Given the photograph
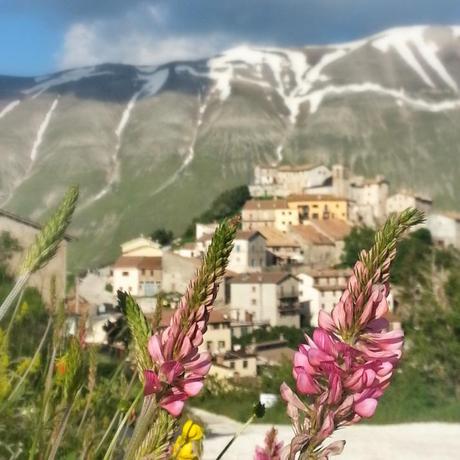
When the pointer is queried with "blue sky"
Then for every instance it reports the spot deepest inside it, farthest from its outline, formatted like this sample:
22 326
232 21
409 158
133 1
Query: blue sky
40 36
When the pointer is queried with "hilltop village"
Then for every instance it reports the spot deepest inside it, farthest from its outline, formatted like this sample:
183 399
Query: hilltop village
282 270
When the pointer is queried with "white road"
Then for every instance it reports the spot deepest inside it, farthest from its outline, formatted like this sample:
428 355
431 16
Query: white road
413 441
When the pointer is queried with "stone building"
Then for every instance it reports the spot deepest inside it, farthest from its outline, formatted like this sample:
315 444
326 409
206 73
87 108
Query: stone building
25 231
445 228
404 199
280 181
269 297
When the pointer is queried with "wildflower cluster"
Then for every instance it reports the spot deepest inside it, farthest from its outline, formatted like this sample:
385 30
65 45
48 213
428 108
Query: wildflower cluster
272 447
345 367
178 367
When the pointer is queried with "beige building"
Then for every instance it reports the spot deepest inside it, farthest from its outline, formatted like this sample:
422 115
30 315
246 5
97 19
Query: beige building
218 336
259 214
269 297
320 290
249 252
141 247
285 219
140 276
25 231
406 199
234 364
318 207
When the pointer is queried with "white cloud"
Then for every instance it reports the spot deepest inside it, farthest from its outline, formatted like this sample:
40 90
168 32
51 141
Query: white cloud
99 42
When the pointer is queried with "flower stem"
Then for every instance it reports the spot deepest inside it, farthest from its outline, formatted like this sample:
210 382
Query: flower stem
149 407
108 454
238 433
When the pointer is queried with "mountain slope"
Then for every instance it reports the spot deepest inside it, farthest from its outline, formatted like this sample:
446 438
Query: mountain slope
152 146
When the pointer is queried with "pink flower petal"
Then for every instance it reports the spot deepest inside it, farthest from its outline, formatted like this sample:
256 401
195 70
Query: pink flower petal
171 370
154 347
173 407
366 408
305 384
193 386
325 321
152 383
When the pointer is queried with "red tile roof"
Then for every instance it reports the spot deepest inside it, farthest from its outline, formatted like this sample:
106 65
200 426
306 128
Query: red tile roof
265 204
149 263
311 235
319 197
261 278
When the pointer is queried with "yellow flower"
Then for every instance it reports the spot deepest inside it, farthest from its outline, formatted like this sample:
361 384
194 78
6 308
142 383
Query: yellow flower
189 444
192 431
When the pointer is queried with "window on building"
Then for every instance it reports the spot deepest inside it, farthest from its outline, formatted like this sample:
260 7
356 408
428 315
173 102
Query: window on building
221 344
253 302
237 247
232 364
125 273
209 345
245 364
151 272
254 289
143 271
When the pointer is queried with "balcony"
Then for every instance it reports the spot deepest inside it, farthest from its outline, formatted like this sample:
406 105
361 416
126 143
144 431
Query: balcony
289 307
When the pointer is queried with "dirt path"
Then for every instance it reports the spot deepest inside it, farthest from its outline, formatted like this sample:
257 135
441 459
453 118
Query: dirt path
413 441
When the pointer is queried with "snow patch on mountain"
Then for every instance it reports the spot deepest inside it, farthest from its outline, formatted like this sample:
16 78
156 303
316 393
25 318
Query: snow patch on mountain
126 114
285 71
9 107
404 41
316 97
202 106
42 129
45 83
153 82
